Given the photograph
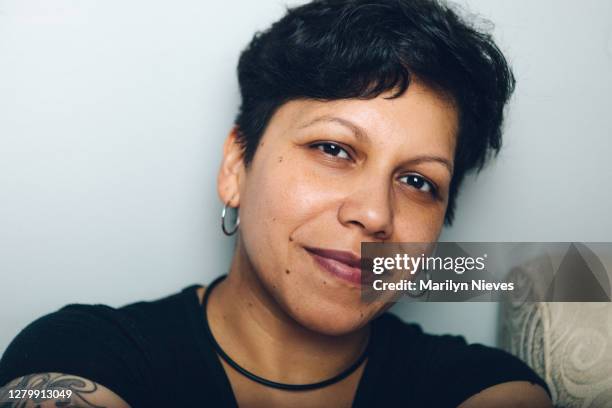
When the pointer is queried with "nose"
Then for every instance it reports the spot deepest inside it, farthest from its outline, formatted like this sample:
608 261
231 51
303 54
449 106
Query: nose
370 209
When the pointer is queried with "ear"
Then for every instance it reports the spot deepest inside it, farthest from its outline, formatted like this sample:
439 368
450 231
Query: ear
231 172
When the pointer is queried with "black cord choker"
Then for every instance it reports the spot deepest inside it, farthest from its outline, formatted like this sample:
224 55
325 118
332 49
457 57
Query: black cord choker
263 381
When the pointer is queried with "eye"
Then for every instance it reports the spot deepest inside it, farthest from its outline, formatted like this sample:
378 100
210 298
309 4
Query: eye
332 149
420 183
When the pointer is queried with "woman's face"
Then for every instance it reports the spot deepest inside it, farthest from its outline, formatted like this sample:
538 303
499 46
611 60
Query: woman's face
329 175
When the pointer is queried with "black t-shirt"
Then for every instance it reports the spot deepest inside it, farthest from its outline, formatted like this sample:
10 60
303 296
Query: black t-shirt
157 354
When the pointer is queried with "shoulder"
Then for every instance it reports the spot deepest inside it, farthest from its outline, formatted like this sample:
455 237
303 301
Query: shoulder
463 369
115 347
105 324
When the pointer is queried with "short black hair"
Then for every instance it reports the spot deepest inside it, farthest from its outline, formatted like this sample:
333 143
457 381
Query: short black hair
338 49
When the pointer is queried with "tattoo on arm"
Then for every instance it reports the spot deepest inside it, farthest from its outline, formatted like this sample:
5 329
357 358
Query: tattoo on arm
33 390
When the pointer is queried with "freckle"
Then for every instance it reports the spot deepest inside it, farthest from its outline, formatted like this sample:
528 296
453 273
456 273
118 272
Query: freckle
280 159
361 314
274 286
290 239
250 304
273 218
325 282
287 271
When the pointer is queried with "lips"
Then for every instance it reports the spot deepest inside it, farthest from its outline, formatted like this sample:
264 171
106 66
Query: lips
342 264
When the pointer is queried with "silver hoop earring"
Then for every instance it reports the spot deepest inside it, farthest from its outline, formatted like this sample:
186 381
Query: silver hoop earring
235 228
421 292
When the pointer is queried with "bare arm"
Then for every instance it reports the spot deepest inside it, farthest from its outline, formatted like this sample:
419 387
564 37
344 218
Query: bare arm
46 390
513 394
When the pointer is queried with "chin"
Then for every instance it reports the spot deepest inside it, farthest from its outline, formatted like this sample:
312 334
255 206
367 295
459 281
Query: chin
332 320
332 326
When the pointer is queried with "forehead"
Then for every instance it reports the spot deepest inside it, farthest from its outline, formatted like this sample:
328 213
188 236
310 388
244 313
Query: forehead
420 118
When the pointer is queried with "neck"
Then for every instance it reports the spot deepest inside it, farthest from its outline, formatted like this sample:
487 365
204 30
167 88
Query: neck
260 336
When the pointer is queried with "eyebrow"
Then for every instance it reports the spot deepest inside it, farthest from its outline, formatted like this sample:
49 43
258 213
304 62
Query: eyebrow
361 135
359 132
429 158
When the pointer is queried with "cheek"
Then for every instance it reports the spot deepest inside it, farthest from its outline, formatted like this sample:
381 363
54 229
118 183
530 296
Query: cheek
418 220
416 224
277 200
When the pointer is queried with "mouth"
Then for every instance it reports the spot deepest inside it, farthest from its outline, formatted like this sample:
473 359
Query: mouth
341 264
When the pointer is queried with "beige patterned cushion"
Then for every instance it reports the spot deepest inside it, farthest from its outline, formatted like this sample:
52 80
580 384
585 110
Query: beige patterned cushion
567 344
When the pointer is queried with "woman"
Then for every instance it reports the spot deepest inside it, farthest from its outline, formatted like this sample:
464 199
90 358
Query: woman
359 120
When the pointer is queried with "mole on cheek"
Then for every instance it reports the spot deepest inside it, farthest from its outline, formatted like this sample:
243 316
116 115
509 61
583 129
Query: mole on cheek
287 271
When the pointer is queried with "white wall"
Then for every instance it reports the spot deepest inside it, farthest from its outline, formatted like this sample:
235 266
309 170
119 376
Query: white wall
112 116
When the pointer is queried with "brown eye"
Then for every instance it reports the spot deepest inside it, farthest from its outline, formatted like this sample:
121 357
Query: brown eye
332 149
420 183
